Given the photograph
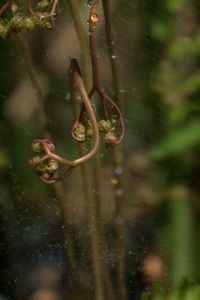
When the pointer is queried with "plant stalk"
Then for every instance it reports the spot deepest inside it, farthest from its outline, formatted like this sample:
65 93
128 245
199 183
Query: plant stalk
23 46
105 276
117 159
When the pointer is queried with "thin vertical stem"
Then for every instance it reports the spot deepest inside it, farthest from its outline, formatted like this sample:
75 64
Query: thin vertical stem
111 51
85 55
45 131
117 160
35 84
93 204
105 276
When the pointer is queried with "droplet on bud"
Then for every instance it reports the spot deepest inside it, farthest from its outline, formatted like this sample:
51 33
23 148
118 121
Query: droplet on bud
94 18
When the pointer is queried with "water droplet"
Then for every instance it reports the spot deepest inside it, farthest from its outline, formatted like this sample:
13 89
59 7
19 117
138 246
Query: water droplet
114 181
78 98
113 56
118 171
94 18
89 3
67 96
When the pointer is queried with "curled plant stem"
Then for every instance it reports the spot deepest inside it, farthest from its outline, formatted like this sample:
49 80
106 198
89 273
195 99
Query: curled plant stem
92 215
105 276
97 87
117 161
47 148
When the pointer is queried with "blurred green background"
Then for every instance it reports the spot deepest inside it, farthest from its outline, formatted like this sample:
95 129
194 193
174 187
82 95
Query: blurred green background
157 46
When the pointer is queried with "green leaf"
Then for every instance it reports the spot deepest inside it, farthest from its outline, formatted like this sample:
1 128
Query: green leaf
177 142
193 294
192 84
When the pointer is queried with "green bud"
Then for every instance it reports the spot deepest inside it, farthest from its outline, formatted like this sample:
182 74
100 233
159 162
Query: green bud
17 23
110 139
29 23
14 8
46 175
43 5
4 29
78 132
52 165
46 24
35 161
89 132
42 167
37 147
105 125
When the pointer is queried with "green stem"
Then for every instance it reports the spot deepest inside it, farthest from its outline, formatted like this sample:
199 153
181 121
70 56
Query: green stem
117 160
35 84
181 235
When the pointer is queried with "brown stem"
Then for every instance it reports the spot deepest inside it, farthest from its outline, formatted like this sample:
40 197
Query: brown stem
42 120
80 84
48 147
117 160
5 7
35 84
97 87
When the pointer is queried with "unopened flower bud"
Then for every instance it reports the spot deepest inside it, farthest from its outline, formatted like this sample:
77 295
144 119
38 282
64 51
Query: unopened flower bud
43 5
79 132
29 23
42 167
104 125
4 29
14 8
46 24
110 139
17 23
89 132
46 175
52 165
35 161
37 147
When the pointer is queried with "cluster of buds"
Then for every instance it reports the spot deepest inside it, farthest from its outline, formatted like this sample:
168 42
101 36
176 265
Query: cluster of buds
45 166
19 22
82 132
108 126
